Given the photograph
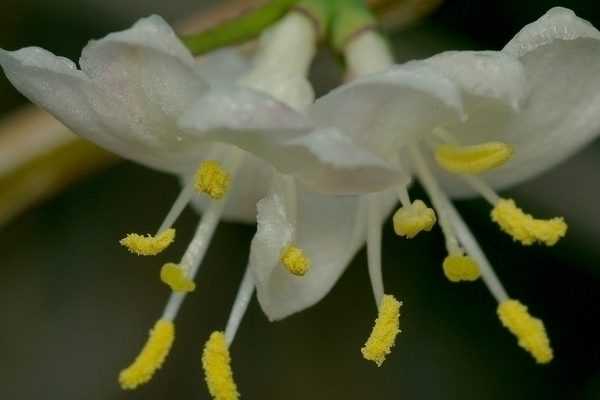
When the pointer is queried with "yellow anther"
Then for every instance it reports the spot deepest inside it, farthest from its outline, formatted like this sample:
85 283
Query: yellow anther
529 330
526 229
412 219
212 179
174 276
152 356
295 261
217 368
472 159
460 267
148 245
383 335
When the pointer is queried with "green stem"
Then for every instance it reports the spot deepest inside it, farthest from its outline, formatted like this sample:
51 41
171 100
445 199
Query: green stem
351 17
320 11
239 29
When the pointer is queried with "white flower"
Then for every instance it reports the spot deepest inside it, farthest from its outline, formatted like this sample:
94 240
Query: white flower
505 115
140 94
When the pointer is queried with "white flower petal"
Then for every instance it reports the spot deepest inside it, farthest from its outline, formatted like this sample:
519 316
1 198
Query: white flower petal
484 76
557 24
388 110
324 160
330 232
58 86
132 86
561 57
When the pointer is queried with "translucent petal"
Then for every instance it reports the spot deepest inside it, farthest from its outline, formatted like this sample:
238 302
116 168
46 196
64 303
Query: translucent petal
330 232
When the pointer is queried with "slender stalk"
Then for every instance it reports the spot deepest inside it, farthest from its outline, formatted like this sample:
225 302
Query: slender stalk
237 30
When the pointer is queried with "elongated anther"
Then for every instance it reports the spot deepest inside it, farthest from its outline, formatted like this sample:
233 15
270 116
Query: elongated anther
530 331
216 363
151 357
383 335
525 228
474 159
147 245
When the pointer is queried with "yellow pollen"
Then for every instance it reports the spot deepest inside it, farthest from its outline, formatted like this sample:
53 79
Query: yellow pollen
217 368
148 245
212 179
295 261
412 219
383 335
152 356
530 331
460 267
472 160
526 229
174 276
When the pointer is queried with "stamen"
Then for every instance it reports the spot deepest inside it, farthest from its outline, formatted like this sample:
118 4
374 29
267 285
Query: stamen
472 159
295 261
174 276
152 356
525 228
152 245
385 330
212 179
460 267
148 245
412 219
217 368
529 330
192 259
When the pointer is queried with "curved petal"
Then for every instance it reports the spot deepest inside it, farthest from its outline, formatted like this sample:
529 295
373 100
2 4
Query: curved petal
558 23
323 159
55 84
330 231
387 110
561 57
484 76
132 86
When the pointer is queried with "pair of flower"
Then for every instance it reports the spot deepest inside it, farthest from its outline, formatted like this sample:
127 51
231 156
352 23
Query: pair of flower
260 137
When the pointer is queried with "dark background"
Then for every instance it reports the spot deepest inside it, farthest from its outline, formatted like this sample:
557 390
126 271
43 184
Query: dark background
75 307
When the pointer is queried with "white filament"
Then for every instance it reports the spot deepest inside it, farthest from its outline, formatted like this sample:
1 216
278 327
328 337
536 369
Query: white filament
240 305
182 200
374 246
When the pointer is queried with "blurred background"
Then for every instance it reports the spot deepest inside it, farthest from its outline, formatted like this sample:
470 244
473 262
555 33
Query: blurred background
76 307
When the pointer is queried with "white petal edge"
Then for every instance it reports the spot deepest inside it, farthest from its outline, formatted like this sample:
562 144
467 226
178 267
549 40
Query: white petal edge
487 75
558 23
